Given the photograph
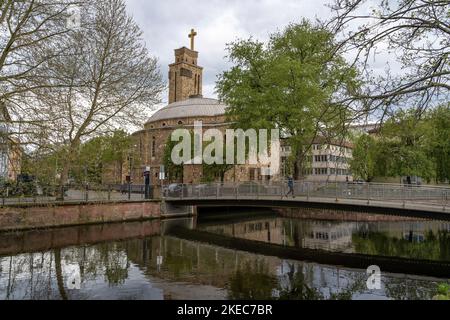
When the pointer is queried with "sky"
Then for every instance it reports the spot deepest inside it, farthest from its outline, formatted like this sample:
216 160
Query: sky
166 25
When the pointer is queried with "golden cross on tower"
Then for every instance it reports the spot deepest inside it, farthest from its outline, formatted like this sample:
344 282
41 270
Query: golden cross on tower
192 36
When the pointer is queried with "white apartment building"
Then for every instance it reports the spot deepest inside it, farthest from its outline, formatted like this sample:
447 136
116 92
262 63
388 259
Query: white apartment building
327 162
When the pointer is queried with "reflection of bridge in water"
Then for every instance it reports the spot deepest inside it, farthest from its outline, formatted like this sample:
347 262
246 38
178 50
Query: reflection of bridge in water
415 201
144 263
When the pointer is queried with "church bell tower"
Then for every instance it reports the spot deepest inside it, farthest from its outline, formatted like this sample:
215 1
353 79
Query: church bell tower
185 76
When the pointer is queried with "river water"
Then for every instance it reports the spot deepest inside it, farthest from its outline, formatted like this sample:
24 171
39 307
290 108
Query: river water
142 260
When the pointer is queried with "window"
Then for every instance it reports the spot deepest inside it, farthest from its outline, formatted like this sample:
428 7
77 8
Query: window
175 89
180 123
321 171
153 147
195 85
323 158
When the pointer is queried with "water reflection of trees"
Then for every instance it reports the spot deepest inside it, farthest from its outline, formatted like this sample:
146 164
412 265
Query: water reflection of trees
256 281
253 281
115 263
435 246
408 289
244 275
38 276
297 287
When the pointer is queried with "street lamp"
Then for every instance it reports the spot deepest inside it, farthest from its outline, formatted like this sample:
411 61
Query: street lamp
130 162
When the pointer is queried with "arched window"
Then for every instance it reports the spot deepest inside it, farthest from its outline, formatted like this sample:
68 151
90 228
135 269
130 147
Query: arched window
180 123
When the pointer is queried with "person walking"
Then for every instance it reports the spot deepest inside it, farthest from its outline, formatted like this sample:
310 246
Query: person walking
291 187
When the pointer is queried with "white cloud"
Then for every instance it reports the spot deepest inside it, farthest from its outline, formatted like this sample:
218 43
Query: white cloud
166 25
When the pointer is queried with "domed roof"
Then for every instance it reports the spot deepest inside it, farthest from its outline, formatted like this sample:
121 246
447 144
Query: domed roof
190 108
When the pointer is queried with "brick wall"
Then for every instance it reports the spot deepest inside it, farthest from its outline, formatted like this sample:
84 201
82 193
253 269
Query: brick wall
23 218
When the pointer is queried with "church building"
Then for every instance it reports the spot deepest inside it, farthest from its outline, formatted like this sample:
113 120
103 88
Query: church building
187 106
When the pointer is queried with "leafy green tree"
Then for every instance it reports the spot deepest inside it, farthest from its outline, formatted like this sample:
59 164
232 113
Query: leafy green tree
290 83
404 143
100 152
175 172
215 171
439 141
92 157
364 159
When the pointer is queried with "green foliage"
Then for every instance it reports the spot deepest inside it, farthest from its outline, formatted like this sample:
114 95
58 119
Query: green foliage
99 152
409 145
89 163
364 159
434 247
439 141
289 83
175 172
404 141
252 282
443 292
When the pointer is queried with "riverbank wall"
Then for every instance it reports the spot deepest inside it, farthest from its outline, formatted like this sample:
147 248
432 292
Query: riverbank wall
26 217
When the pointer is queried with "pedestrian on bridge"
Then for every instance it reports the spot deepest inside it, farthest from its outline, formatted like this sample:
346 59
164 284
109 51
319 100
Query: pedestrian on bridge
291 187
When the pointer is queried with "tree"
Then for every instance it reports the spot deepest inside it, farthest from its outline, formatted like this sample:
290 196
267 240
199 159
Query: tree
417 33
292 83
32 33
174 171
92 158
439 141
100 152
403 139
364 160
107 81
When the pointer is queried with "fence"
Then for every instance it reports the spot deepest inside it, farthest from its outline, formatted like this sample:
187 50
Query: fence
370 192
74 194
436 197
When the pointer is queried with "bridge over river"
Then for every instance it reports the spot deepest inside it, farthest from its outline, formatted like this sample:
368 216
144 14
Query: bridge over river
406 200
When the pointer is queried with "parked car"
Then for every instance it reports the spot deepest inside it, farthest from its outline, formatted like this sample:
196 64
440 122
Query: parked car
173 190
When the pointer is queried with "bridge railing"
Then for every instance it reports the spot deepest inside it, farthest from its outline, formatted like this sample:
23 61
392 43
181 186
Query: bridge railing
435 196
74 193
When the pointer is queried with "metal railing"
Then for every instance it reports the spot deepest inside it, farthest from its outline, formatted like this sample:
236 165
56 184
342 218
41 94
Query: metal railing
435 197
39 195
369 193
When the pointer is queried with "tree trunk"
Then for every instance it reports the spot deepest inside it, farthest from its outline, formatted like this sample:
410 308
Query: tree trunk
67 163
